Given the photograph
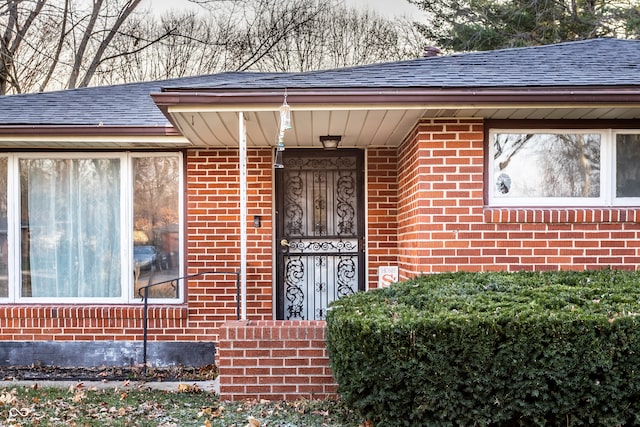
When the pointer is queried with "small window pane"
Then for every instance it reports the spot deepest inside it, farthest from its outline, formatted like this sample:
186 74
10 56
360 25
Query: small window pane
546 165
4 282
156 233
70 228
628 166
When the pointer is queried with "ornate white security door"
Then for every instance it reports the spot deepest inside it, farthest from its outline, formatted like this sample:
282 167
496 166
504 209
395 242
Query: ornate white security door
320 231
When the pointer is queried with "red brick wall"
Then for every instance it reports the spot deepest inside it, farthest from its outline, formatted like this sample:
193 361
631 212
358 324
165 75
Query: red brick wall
382 211
425 213
274 360
444 226
90 323
212 244
213 214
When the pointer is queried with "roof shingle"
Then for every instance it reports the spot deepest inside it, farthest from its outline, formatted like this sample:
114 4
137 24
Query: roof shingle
118 105
595 62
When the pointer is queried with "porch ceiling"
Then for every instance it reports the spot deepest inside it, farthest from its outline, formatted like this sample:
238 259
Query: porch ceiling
359 126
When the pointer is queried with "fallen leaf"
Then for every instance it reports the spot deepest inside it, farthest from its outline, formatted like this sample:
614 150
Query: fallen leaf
253 422
211 411
79 396
207 423
186 388
7 398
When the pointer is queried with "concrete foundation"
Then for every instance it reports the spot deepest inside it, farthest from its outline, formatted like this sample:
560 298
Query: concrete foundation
105 353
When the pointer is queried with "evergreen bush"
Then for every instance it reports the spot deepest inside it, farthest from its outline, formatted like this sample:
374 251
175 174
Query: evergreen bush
492 349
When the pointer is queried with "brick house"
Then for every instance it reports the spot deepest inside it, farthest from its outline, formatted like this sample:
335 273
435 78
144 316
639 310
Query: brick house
513 159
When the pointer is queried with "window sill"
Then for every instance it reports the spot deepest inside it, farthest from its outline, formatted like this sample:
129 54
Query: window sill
571 215
91 312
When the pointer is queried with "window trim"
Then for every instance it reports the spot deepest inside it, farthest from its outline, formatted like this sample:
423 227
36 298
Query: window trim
128 295
607 196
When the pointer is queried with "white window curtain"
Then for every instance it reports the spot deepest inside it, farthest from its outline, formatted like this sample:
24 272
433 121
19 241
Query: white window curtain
71 225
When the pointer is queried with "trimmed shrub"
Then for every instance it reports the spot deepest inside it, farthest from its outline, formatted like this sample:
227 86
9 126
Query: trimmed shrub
492 349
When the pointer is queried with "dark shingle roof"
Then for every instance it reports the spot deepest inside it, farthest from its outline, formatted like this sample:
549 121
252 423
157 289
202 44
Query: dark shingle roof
592 62
595 62
118 105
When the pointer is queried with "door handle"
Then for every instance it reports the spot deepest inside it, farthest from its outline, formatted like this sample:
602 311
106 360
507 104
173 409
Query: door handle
284 243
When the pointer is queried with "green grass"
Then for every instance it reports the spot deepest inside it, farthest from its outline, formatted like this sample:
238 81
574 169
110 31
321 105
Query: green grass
127 406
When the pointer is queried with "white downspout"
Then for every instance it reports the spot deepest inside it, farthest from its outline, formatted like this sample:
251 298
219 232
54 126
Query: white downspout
242 133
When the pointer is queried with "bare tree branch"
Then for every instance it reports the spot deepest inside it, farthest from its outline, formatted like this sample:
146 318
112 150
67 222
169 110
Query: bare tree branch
97 57
65 43
281 24
169 33
86 36
13 36
59 46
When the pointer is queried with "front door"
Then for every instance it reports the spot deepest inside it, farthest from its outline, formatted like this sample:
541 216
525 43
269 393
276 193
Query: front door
319 230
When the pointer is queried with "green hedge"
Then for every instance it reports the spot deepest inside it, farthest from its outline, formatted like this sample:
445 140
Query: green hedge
492 349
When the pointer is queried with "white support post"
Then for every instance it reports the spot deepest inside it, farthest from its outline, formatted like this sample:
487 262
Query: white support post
243 214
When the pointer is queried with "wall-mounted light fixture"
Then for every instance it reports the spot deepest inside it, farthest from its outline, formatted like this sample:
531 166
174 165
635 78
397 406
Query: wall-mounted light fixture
330 142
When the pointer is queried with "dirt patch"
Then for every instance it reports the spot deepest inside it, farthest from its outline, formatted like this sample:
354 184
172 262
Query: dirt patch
57 373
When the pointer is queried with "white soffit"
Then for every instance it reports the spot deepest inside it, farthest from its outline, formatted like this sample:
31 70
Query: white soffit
359 126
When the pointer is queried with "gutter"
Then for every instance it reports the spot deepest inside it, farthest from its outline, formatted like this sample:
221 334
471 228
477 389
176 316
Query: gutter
96 130
623 95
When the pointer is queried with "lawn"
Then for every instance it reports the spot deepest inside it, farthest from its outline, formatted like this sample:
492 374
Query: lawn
127 405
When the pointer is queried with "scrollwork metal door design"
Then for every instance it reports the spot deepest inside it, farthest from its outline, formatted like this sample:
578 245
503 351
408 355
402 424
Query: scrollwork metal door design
320 231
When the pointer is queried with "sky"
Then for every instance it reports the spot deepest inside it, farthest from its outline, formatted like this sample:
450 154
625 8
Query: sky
389 8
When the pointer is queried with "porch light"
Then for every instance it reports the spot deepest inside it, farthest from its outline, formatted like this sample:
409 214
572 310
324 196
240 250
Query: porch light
330 142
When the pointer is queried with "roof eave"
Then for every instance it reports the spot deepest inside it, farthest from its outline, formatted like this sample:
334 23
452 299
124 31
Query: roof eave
403 96
90 137
87 130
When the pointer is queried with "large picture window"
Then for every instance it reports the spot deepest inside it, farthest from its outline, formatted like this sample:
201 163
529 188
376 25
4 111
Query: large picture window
70 214
563 168
89 226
